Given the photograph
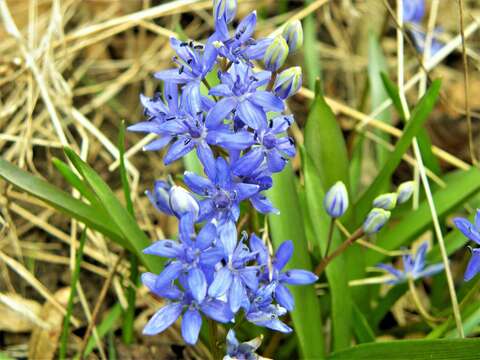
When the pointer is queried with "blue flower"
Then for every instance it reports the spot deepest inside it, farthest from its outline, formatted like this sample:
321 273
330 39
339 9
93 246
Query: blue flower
261 177
235 278
172 200
241 351
194 62
268 146
181 125
192 257
240 95
472 232
413 267
239 47
419 40
186 304
220 193
263 312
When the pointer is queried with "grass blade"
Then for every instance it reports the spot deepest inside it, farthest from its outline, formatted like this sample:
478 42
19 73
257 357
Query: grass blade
289 225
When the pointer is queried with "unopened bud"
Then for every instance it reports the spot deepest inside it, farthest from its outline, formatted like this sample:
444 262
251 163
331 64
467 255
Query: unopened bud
276 54
336 200
375 220
182 202
385 201
405 191
288 82
293 34
225 9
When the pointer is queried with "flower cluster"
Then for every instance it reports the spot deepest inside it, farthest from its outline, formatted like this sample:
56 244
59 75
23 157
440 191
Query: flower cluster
238 129
472 232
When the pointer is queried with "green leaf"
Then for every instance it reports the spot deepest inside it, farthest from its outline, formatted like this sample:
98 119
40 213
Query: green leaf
418 118
310 49
60 200
324 142
288 225
341 301
136 240
424 143
416 222
363 331
413 349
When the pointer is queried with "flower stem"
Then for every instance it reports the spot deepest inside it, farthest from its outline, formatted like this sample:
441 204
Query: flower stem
423 312
330 236
212 335
344 246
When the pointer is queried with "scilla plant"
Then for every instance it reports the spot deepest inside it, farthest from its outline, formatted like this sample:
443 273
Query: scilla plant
238 130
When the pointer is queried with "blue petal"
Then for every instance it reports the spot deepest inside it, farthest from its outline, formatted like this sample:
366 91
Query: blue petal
251 114
191 97
228 237
299 277
246 27
160 197
221 90
217 310
236 294
257 51
158 144
172 76
249 277
173 127
284 297
145 126
219 112
196 183
248 162
170 273
239 140
170 292
164 248
283 254
245 191
263 205
257 245
467 228
221 283
473 267
163 318
205 155
178 149
477 219
170 91
275 161
197 283
281 124
430 271
419 262
191 325
223 175
395 272
206 236
267 101
212 256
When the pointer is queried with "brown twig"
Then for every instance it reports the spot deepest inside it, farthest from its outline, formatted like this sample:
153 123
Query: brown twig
344 246
96 310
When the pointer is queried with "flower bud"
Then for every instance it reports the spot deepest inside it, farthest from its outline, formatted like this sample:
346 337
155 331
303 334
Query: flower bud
336 200
225 9
160 196
182 202
385 201
375 220
288 82
293 34
276 54
405 191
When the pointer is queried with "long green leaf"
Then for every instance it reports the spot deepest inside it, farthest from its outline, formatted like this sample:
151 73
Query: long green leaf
60 200
289 226
310 49
136 240
363 331
457 349
418 118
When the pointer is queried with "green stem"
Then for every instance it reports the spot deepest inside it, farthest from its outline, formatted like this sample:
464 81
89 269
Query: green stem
212 336
127 329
